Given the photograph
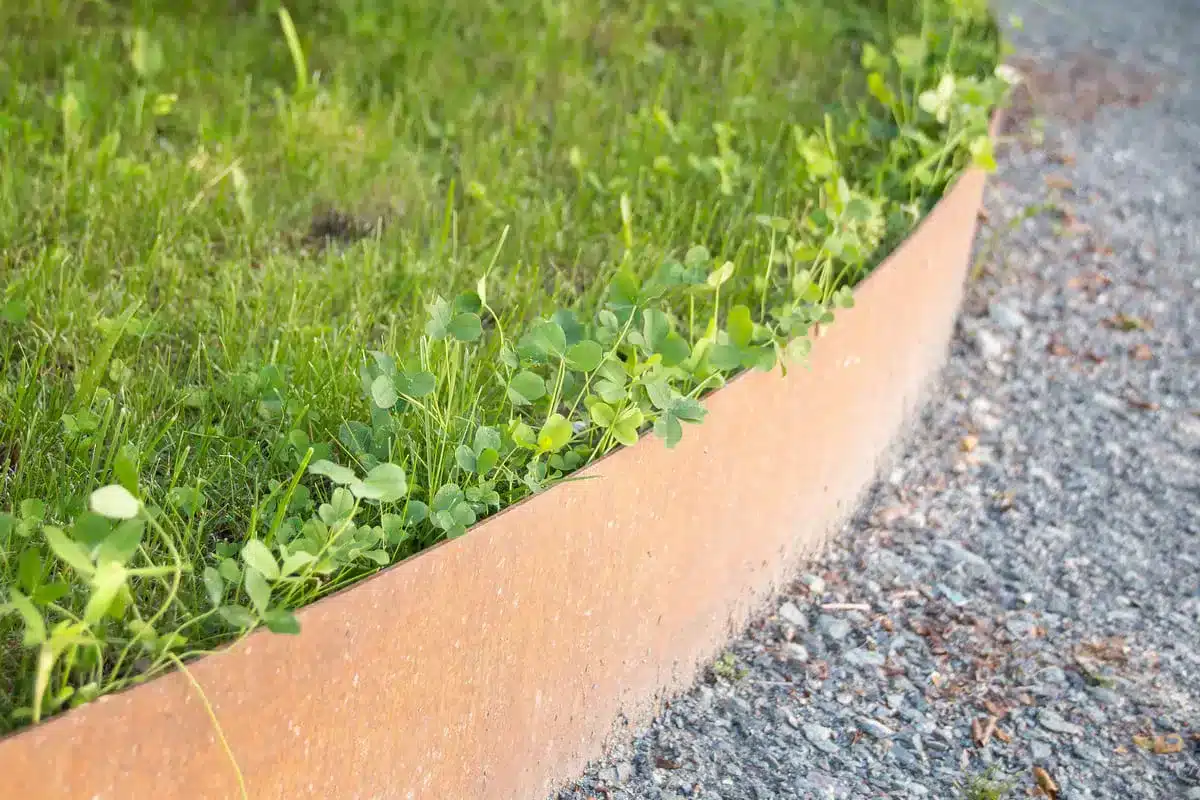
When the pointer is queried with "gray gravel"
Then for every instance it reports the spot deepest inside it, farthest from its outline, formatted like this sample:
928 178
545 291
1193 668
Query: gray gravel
1026 581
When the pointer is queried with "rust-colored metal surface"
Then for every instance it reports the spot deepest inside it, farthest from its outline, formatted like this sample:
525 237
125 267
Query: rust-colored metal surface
496 665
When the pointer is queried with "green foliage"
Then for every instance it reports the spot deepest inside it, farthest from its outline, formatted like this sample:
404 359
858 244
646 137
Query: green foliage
215 409
986 786
727 668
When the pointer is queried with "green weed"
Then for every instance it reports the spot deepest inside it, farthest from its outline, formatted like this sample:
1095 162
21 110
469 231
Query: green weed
987 786
727 668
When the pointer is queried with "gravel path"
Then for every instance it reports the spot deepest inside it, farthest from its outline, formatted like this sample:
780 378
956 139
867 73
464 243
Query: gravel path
1029 573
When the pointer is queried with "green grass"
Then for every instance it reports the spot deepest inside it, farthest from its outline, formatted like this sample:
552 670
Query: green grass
226 234
987 786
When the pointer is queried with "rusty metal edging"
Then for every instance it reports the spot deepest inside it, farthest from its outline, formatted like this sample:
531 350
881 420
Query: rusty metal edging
497 665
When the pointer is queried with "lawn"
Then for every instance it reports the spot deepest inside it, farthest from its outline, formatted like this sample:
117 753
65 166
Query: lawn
288 296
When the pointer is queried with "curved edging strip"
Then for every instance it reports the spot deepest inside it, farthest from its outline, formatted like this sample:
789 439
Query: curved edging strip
496 665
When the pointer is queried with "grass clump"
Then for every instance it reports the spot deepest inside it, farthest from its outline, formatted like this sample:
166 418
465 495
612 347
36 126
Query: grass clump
987 786
289 295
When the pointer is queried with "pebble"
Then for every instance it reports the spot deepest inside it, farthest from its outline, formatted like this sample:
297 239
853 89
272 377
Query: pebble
815 583
796 652
834 627
820 737
1054 722
791 613
861 657
875 728
1006 316
991 346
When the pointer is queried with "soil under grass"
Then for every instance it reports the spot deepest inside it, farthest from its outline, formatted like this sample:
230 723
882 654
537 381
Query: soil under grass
223 247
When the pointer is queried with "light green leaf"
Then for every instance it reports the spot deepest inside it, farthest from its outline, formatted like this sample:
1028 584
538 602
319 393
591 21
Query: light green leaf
668 429
90 529
602 414
258 590
417 384
32 510
584 356
415 511
230 570
380 557
120 545
214 586
655 328
909 52
673 349
386 483
115 502
525 388
697 256
258 555
486 461
555 434
485 438
446 497
438 326
464 515
625 428
523 435
105 583
721 274
187 499
740 325
295 562
29 569
689 409
68 551
465 457
610 391
35 626
544 340
279 620
798 349
660 394
725 357
335 472
237 616
466 327
125 467
383 392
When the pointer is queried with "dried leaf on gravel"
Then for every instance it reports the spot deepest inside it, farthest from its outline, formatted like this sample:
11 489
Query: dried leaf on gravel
1090 281
982 730
1128 323
1141 352
1140 403
1113 649
893 514
995 709
1057 181
1056 347
1045 783
1164 744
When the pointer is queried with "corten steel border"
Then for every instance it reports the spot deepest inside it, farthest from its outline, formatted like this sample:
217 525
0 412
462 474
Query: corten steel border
496 665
